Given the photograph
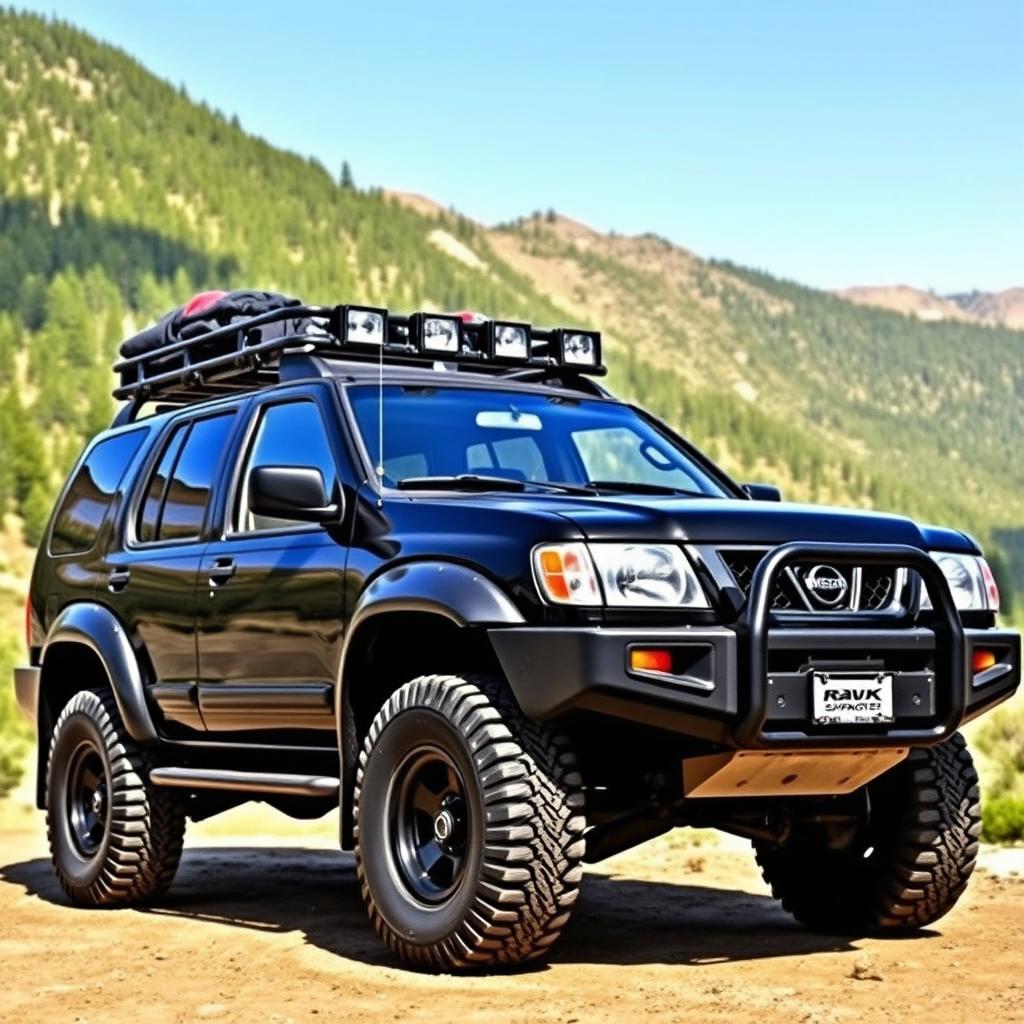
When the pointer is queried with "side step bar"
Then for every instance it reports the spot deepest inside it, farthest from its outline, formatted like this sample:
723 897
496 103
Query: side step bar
245 782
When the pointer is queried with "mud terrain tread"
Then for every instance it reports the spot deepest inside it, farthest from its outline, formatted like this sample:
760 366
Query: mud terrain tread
533 844
911 881
147 824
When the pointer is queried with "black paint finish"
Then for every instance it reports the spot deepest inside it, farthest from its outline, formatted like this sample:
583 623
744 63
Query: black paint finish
236 629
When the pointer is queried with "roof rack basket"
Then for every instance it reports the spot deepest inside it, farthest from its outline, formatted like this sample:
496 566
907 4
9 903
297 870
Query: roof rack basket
236 357
246 354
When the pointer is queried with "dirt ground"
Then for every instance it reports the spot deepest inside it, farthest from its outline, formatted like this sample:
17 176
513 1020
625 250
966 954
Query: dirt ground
269 927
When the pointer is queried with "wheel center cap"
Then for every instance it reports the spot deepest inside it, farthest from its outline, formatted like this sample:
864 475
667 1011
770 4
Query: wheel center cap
97 803
444 825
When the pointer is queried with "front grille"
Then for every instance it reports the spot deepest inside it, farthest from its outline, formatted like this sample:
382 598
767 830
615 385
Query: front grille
865 589
877 589
742 563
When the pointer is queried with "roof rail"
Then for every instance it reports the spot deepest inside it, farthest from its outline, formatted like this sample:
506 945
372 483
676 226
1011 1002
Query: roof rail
246 354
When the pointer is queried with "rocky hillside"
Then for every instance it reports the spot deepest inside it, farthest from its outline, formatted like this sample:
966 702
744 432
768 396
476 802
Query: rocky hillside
1002 309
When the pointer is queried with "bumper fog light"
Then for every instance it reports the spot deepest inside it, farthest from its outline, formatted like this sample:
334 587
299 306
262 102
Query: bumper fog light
644 659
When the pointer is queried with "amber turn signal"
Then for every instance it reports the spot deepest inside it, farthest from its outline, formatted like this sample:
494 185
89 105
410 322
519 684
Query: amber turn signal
647 659
983 660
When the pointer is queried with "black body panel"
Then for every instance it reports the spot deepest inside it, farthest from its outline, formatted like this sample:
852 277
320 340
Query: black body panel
232 642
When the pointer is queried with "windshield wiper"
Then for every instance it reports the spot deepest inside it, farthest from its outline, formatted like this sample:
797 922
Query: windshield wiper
635 487
482 482
462 482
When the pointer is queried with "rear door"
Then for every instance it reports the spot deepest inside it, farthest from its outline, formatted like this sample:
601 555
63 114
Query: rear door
272 597
152 579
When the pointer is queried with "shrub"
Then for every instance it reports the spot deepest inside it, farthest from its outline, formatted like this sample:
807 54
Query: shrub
1003 818
1000 742
14 733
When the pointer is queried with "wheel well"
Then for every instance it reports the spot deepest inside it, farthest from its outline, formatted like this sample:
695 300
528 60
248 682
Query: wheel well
68 668
384 653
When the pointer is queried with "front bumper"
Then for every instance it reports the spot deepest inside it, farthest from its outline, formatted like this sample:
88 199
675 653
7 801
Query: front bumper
748 686
554 671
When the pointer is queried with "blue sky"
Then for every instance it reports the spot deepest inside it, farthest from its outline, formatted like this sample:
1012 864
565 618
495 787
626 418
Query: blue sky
832 141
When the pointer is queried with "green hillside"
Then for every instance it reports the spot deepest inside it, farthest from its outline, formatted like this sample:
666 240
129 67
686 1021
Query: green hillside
120 196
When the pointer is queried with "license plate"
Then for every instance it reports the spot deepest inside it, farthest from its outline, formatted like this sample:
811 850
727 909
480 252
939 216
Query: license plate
852 700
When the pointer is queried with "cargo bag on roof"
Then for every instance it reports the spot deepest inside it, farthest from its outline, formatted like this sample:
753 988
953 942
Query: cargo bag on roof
210 310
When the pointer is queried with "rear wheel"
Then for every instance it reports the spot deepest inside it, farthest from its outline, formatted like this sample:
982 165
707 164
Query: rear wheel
114 837
469 826
904 868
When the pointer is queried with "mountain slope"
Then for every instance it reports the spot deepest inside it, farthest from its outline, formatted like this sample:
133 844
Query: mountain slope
1003 309
119 197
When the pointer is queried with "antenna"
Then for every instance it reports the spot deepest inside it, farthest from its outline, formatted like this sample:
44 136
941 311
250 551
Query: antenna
380 424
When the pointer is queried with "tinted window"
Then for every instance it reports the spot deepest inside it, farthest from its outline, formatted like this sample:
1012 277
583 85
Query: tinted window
447 431
291 434
95 482
517 456
622 453
189 490
149 514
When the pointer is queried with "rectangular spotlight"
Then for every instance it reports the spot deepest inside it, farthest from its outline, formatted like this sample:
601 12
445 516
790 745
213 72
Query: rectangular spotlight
509 342
578 348
364 326
438 335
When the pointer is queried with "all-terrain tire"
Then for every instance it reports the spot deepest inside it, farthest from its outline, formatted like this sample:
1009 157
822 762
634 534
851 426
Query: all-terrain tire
523 804
131 853
906 869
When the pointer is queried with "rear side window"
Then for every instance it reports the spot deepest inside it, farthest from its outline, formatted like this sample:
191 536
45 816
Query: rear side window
179 489
92 489
149 514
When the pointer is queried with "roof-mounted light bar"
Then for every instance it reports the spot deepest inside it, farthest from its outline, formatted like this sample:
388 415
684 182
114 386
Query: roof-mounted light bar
467 338
173 364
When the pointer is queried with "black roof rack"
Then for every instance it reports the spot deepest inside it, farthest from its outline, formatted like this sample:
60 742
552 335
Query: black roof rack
247 353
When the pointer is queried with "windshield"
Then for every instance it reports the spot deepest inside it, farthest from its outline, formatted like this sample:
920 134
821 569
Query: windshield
531 438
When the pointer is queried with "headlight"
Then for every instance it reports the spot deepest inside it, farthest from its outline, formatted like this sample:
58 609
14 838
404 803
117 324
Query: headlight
970 581
630 575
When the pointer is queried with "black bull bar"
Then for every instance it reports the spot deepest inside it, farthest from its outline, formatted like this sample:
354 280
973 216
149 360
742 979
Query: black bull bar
952 673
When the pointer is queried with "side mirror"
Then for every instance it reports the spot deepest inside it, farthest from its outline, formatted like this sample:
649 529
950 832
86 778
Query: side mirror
763 492
291 492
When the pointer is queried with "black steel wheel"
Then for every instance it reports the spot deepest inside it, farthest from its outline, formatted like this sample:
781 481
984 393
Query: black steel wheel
114 837
429 824
469 826
87 798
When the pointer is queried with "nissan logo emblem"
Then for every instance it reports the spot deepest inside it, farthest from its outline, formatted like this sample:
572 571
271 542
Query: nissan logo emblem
827 585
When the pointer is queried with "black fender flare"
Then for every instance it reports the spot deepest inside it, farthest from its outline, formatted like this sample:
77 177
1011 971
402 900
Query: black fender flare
456 592
97 628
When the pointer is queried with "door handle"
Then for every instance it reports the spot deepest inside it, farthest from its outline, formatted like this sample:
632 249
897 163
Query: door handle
118 579
221 571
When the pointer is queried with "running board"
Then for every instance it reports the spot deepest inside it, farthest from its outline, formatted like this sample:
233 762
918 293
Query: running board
245 782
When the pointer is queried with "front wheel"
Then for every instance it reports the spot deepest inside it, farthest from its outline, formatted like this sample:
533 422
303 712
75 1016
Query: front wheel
904 868
469 826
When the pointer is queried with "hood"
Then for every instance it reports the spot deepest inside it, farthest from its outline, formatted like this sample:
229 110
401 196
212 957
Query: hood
754 522
711 521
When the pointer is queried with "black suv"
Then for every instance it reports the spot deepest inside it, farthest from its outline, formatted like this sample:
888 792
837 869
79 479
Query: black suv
427 569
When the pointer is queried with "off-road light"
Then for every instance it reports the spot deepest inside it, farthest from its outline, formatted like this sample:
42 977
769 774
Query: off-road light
578 348
439 334
509 341
364 326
